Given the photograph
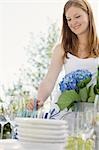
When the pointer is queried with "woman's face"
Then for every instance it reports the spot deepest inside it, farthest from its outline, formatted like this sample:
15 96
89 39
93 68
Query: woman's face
77 20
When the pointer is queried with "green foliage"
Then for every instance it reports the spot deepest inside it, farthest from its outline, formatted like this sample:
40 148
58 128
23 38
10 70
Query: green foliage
1 100
83 83
83 92
6 128
16 89
7 131
39 52
67 98
96 88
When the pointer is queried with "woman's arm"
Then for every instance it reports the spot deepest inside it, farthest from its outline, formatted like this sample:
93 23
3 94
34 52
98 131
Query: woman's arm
55 67
47 84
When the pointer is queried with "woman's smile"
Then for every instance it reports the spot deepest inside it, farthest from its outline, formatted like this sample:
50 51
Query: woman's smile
76 27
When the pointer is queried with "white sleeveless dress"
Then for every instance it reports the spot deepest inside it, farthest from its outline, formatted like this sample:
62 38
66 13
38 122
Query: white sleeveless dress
72 64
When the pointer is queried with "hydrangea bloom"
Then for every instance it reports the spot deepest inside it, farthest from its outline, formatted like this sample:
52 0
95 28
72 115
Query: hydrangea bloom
76 87
70 81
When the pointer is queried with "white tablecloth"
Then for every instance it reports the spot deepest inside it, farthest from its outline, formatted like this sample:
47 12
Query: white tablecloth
11 144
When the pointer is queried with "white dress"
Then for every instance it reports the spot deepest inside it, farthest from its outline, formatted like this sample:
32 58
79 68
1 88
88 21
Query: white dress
72 64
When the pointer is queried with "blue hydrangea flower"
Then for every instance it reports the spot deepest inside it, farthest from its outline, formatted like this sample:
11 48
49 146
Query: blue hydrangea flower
70 81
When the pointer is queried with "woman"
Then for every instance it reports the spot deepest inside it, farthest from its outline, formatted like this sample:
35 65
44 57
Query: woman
79 47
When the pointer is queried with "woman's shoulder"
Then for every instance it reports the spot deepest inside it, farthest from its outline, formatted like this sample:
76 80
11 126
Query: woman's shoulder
58 49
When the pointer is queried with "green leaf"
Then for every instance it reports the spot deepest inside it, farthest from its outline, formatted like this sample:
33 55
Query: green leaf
1 100
67 98
98 77
83 83
91 99
96 89
83 92
91 91
91 96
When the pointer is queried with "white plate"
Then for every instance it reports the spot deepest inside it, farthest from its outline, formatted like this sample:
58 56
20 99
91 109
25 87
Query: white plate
39 126
41 131
40 121
39 136
27 139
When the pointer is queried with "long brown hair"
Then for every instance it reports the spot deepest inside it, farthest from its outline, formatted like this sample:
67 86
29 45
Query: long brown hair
70 40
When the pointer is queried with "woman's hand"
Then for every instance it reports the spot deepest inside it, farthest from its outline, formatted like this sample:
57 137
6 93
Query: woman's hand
39 103
30 105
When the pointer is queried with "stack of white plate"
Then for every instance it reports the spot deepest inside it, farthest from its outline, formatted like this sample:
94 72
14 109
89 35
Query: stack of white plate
42 130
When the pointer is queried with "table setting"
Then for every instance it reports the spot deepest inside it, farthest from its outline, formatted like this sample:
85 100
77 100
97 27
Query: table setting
71 123
70 129
31 129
